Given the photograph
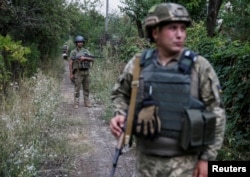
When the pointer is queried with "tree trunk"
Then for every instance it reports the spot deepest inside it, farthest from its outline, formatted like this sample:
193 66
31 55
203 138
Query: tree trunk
139 28
213 9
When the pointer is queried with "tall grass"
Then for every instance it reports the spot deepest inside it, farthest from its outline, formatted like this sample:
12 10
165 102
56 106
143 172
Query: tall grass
29 124
103 76
31 120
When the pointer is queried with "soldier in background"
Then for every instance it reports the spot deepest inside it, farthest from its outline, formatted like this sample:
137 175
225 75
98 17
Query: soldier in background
65 49
79 67
175 85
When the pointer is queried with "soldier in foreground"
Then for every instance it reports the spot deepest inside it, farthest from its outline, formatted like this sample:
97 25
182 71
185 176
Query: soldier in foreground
79 67
179 119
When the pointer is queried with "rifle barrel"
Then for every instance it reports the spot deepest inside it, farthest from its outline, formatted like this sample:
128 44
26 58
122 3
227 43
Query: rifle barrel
115 161
118 152
112 172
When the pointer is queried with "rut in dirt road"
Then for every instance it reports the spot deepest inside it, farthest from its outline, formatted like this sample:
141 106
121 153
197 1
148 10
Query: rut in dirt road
91 138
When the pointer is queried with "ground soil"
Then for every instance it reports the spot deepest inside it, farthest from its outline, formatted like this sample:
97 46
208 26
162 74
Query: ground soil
89 135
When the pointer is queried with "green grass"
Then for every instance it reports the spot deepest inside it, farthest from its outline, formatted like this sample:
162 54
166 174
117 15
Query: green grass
103 76
30 125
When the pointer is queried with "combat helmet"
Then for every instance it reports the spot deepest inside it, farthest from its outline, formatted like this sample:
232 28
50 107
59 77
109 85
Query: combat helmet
165 12
79 39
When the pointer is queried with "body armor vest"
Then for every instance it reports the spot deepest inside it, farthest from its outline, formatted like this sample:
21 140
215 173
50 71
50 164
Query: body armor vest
170 87
77 65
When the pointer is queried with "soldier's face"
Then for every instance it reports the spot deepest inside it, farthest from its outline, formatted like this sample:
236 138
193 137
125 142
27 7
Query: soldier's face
171 37
79 44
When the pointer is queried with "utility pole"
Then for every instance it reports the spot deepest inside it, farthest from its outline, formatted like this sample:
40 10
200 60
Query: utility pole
106 19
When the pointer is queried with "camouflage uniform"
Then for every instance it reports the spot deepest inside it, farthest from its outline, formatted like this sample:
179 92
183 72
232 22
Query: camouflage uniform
208 84
160 157
81 76
153 166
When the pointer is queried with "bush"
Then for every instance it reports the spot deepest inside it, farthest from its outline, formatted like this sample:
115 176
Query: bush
131 46
231 62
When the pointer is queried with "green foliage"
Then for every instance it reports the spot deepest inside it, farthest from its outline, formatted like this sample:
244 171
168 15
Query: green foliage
196 8
42 22
33 62
231 62
137 9
11 54
199 41
13 50
82 18
131 46
121 27
236 23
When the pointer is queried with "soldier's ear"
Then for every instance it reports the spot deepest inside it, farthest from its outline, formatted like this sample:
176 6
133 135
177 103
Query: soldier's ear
155 32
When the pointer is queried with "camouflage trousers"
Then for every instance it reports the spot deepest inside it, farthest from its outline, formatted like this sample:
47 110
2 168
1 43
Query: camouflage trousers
156 166
82 79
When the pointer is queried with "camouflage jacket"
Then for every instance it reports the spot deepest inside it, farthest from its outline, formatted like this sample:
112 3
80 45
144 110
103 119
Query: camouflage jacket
79 65
203 77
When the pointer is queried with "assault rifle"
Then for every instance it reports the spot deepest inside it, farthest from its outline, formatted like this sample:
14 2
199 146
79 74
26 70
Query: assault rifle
125 140
89 57
118 152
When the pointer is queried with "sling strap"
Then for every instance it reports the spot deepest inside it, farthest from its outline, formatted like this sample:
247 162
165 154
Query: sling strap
135 85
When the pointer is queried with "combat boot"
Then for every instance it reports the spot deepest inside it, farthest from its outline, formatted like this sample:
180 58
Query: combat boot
87 104
76 106
76 103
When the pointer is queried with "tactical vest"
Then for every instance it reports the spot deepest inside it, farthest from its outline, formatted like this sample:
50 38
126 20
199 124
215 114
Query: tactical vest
77 65
170 87
186 127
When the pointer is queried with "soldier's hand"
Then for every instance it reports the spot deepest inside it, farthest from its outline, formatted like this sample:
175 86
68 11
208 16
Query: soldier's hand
116 125
82 58
201 169
148 123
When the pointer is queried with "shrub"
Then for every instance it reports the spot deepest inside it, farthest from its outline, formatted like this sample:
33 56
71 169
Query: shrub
231 62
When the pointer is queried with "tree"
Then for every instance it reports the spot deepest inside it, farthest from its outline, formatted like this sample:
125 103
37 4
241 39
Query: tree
40 22
213 9
137 10
236 22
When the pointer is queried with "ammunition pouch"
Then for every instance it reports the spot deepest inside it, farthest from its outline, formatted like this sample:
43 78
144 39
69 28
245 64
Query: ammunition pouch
85 65
80 66
198 130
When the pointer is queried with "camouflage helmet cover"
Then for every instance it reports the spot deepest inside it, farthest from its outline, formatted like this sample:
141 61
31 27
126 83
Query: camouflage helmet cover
79 39
165 12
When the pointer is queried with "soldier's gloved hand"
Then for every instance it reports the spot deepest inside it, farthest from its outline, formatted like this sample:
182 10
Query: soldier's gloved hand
148 123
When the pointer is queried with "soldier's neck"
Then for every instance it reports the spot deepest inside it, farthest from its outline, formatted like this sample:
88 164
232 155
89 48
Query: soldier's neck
165 57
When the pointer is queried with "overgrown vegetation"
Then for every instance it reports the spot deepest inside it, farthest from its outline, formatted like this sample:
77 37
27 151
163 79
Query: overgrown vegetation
230 59
29 127
31 35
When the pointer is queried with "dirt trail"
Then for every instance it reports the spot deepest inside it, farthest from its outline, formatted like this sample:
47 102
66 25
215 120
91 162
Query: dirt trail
90 136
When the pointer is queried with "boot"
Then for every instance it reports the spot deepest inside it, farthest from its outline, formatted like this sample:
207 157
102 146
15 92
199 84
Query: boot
76 106
76 103
87 104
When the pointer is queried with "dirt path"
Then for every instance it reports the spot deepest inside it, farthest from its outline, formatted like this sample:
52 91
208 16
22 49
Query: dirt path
91 139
